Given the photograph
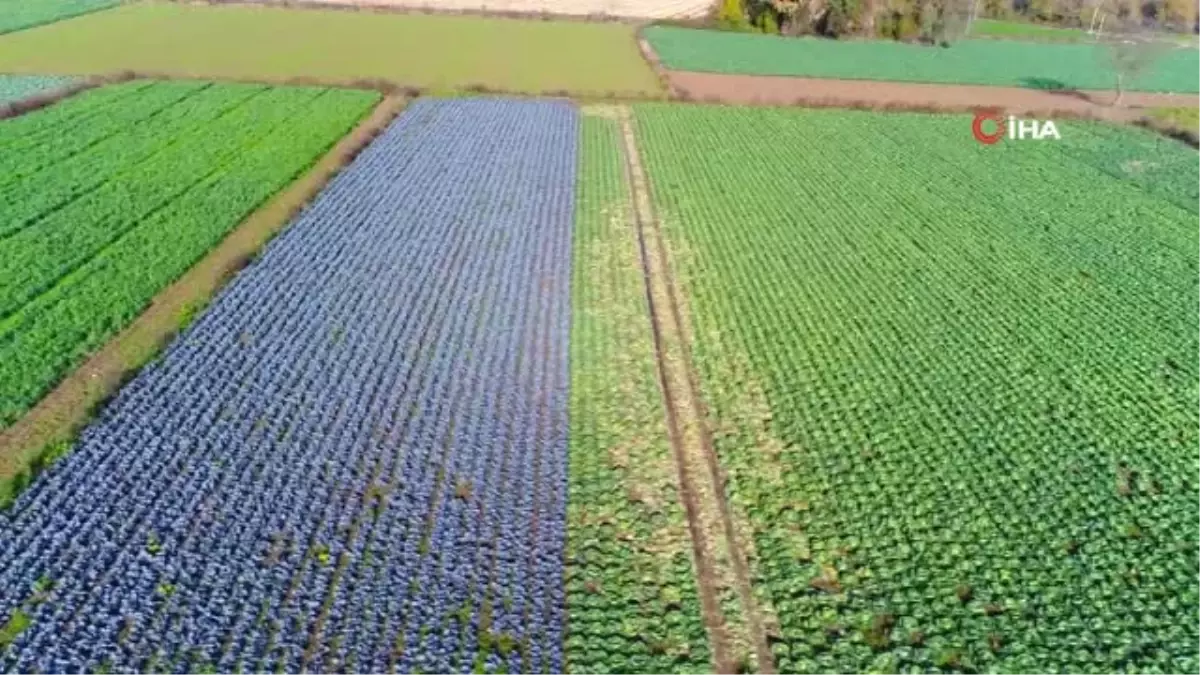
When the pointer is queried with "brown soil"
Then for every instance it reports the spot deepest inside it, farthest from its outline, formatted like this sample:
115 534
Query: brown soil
67 408
771 90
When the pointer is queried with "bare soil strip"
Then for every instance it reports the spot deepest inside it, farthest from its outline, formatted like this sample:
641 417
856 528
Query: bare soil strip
773 90
656 65
735 629
69 406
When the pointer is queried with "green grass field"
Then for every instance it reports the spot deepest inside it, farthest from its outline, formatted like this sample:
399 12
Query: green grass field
112 194
1040 65
955 385
248 43
1026 31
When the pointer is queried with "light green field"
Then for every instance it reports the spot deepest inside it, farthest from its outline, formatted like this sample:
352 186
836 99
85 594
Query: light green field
252 43
1025 30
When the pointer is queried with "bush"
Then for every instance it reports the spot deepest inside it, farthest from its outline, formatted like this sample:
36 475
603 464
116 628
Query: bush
897 25
732 15
840 18
767 23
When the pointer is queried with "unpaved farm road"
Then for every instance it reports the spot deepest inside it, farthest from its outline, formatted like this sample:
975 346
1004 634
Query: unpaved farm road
773 90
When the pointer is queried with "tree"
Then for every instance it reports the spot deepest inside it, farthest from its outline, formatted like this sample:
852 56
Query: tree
1131 49
840 17
868 18
732 15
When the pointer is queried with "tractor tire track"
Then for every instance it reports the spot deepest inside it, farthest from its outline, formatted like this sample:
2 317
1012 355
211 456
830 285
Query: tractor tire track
722 574
738 640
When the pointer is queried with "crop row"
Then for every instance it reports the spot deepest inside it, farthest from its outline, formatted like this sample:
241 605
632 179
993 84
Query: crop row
1159 165
17 87
953 387
51 125
356 459
631 597
126 197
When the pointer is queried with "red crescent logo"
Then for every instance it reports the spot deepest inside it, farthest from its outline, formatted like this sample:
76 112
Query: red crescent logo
977 126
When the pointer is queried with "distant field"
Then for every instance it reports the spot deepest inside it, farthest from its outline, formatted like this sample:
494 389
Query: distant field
18 14
253 43
1024 29
17 87
1038 65
112 194
955 384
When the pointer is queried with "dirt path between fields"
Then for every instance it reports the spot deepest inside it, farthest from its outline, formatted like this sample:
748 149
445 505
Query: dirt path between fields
773 90
728 603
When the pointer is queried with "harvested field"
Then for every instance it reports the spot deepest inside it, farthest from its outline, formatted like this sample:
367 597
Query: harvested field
770 90
1006 63
953 386
330 46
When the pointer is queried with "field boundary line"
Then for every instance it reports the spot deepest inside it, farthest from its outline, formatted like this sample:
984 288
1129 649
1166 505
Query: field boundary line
71 404
651 57
720 559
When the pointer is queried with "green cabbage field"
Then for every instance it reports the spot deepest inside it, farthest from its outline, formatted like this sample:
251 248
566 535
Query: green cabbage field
19 14
954 386
1035 65
112 194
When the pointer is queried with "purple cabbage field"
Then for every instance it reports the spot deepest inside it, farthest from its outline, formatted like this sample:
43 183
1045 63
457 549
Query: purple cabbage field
356 458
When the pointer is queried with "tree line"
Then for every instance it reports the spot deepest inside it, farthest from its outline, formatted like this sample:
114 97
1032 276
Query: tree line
938 21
